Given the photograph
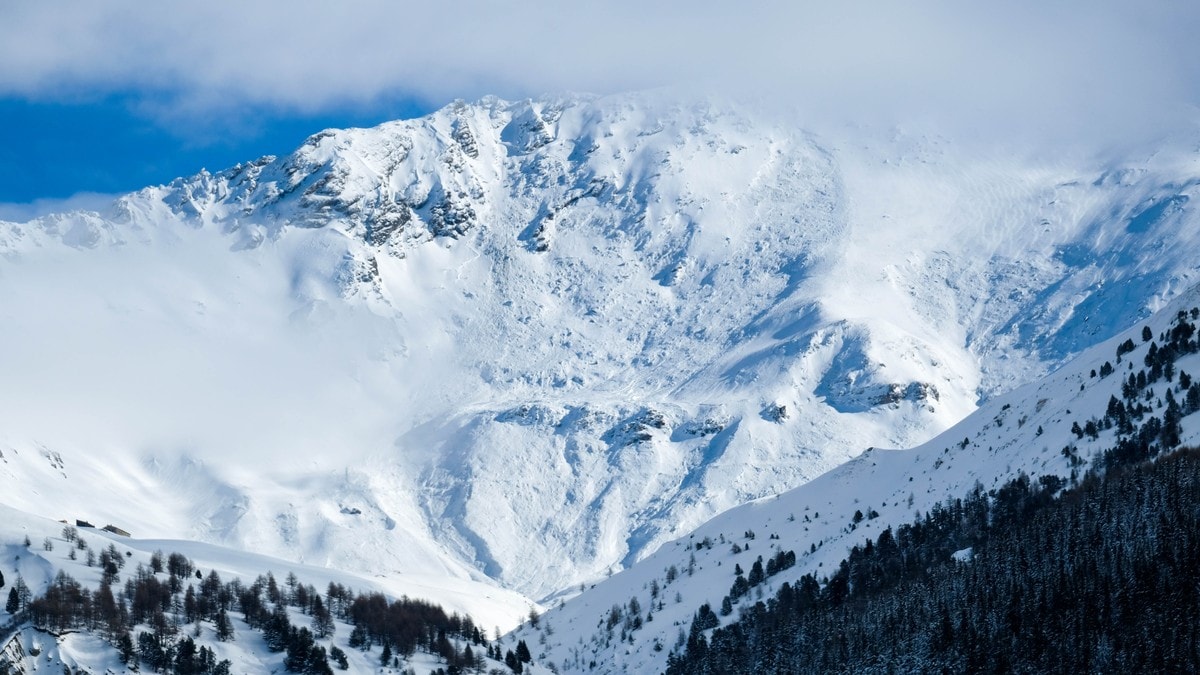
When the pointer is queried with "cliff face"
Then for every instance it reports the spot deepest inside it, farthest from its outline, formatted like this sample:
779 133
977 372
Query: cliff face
13 658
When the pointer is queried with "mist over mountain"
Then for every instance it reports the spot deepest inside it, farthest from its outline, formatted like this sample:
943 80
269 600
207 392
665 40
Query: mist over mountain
519 346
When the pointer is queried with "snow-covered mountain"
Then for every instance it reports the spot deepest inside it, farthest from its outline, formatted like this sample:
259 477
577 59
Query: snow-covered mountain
1060 425
524 344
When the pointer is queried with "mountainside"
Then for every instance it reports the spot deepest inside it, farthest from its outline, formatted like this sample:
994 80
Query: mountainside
86 599
1089 414
525 344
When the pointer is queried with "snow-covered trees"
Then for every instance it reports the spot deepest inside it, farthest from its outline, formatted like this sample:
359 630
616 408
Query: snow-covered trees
142 618
1071 602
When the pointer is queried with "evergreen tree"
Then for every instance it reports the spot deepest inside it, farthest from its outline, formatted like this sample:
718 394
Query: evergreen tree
125 648
386 657
151 651
318 662
224 627
277 630
523 654
726 606
705 618
468 658
186 658
14 601
359 639
756 571
322 620
24 595
299 645
339 657
1171 428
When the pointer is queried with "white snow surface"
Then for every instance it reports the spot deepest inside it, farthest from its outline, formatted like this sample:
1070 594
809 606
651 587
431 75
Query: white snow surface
247 652
524 344
1022 431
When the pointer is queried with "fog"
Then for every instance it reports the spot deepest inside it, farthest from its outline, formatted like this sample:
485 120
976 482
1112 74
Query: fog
1093 73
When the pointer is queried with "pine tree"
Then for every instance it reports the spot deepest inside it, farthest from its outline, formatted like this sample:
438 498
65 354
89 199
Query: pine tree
1171 422
14 601
125 648
726 606
224 627
297 651
277 629
24 595
523 654
322 620
386 657
468 658
756 572
186 662
339 657
318 662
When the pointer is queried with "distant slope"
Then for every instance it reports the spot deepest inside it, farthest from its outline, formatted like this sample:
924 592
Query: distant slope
529 342
1029 430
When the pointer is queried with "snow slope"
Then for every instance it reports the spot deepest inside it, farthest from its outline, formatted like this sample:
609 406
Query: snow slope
1025 430
526 343
87 650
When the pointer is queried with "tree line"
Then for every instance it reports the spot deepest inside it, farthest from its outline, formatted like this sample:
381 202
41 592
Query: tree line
152 616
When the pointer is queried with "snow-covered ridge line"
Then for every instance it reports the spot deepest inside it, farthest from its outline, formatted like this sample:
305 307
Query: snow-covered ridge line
1060 425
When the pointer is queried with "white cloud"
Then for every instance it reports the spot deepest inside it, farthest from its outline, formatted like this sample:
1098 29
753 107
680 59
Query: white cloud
82 201
1093 69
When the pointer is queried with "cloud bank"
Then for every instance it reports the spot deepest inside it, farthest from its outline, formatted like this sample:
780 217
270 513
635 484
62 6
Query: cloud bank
1095 69
16 212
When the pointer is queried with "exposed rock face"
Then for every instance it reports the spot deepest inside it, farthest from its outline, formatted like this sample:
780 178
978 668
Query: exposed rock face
13 658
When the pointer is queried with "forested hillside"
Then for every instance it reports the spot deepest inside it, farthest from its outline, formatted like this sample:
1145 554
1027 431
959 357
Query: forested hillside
1027 578
166 615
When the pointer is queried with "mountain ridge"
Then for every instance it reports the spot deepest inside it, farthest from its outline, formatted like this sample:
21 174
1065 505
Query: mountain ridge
1037 430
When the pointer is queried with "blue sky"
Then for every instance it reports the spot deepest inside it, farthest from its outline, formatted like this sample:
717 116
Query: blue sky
106 97
111 144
